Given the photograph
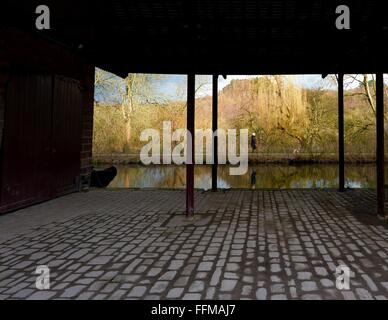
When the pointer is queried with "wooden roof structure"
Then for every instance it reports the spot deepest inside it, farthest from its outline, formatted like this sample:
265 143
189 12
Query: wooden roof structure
217 37
214 36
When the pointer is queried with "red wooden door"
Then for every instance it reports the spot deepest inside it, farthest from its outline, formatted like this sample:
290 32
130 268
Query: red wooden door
66 136
25 150
41 146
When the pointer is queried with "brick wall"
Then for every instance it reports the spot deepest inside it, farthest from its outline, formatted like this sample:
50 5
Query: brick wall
87 87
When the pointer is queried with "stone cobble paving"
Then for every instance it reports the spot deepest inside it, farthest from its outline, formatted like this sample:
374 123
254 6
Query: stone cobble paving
252 244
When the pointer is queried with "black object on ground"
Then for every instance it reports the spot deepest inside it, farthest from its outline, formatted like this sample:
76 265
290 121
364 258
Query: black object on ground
102 178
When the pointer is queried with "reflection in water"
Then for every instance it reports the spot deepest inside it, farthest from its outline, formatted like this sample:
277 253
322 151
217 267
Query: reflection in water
258 176
253 179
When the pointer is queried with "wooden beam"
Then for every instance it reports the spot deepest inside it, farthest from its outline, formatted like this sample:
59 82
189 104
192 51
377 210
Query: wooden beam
380 143
215 128
341 143
191 149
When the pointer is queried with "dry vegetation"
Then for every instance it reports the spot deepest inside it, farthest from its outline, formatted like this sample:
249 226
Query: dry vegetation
285 117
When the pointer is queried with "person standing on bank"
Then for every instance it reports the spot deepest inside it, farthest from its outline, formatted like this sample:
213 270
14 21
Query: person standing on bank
254 142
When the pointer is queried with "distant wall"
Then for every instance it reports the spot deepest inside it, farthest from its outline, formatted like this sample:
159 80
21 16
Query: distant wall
257 157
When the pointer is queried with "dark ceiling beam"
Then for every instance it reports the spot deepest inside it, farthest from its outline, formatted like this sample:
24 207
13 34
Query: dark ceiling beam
177 36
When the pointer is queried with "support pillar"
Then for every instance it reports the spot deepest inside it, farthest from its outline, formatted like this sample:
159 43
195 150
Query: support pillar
341 143
191 149
214 129
380 143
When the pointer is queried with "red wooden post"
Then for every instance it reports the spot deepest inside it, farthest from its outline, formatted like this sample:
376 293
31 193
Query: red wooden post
190 129
341 144
380 143
215 128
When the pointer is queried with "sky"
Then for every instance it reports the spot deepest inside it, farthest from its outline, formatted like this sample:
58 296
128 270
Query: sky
173 87
171 83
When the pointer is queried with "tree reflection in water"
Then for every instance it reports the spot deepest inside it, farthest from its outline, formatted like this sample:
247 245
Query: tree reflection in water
268 176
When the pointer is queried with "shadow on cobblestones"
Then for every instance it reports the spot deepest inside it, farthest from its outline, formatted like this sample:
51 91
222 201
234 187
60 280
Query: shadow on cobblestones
252 244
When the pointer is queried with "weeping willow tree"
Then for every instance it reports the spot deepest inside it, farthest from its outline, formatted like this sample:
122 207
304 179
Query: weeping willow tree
270 106
292 116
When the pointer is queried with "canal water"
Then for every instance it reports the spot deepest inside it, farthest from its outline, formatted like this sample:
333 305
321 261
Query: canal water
265 176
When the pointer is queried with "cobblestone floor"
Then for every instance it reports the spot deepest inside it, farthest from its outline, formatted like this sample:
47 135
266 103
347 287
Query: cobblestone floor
259 244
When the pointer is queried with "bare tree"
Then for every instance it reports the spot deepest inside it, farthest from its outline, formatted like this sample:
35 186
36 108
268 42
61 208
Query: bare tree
365 84
130 92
